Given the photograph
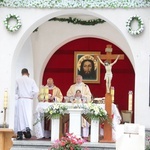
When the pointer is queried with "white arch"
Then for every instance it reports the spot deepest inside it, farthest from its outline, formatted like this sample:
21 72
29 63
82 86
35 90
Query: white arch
56 13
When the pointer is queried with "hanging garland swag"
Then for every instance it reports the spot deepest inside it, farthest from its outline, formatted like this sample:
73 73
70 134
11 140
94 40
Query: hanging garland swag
140 25
15 27
91 22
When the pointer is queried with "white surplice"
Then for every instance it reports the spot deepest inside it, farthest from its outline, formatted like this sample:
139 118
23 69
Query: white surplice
26 91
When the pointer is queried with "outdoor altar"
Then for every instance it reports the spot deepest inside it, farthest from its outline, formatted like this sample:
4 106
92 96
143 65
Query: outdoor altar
75 111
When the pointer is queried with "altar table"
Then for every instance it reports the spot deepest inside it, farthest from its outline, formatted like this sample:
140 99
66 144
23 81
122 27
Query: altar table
75 123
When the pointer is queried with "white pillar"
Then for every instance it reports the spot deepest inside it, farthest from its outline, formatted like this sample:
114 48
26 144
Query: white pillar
75 121
55 129
94 131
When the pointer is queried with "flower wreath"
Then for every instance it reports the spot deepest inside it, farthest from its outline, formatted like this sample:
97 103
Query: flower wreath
140 25
15 27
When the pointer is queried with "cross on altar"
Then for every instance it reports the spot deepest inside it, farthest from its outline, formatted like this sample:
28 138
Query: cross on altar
108 97
108 65
109 56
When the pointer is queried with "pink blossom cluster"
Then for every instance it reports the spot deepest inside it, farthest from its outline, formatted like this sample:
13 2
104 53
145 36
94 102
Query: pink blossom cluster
68 142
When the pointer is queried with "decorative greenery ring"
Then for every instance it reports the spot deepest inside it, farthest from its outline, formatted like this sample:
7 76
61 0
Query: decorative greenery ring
140 25
15 27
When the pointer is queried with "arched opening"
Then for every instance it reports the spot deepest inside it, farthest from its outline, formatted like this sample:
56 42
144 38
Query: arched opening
61 65
46 52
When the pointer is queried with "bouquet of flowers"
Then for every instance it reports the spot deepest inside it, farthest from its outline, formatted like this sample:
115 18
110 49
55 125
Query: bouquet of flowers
68 142
55 110
93 111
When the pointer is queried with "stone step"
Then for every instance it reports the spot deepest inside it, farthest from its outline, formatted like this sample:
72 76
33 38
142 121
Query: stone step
45 145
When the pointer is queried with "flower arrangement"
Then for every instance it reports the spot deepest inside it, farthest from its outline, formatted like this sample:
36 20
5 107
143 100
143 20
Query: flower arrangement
55 110
15 27
140 25
68 142
95 112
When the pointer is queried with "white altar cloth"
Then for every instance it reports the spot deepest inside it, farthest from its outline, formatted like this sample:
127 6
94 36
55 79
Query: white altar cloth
39 126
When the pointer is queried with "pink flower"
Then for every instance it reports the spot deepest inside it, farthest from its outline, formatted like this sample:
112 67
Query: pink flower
70 141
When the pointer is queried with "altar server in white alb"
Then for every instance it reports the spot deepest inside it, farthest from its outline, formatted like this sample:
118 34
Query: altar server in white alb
26 90
84 93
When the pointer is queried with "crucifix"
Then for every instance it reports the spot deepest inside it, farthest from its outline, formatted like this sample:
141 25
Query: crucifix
108 77
108 57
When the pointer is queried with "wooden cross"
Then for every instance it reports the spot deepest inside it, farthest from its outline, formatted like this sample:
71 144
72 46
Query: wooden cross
108 97
109 56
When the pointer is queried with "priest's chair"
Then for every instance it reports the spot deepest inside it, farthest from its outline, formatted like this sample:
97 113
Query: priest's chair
126 116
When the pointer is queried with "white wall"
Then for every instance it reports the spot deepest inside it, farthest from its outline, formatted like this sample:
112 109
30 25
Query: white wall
25 59
52 35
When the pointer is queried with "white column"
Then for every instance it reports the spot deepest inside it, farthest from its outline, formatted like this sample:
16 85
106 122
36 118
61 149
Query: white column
55 129
75 121
94 131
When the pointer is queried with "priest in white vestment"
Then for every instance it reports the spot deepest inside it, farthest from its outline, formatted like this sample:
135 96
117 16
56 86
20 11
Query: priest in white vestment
26 90
85 94
79 85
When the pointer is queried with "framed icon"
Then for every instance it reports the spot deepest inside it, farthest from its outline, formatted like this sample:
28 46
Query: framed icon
87 66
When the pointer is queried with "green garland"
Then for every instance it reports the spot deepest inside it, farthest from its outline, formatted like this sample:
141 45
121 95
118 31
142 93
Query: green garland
91 22
15 27
140 25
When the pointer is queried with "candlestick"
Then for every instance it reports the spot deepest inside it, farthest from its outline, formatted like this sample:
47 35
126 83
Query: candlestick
112 93
4 125
130 97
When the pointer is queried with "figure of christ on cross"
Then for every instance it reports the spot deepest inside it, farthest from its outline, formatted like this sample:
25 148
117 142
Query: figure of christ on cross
108 65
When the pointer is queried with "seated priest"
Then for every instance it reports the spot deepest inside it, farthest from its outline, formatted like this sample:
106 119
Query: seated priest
55 95
81 91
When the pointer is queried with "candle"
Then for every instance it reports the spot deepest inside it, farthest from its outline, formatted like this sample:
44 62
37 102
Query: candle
5 99
112 93
130 97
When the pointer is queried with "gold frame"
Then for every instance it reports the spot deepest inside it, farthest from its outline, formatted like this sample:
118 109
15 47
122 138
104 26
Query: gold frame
79 56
